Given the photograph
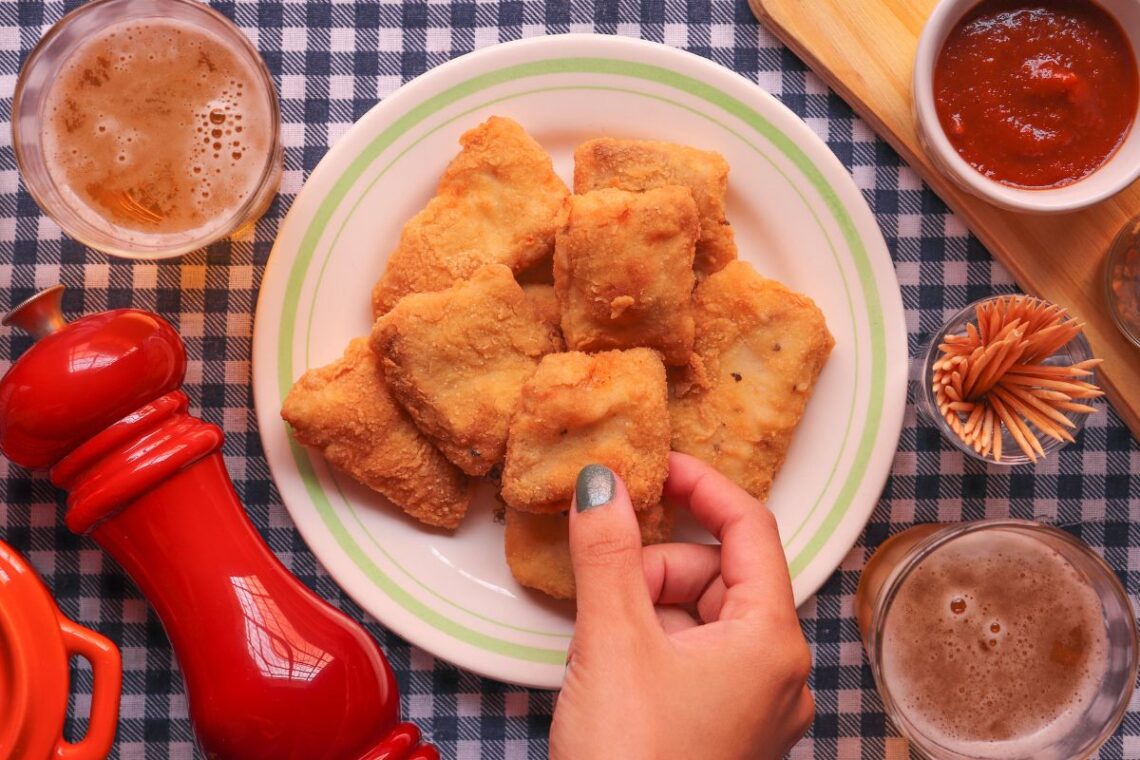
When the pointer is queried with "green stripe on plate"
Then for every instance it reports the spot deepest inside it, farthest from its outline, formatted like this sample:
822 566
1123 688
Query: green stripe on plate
401 596
612 67
362 193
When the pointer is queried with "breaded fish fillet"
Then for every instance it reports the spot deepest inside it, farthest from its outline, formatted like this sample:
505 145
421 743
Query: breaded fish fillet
538 546
577 409
623 271
758 352
499 202
456 360
639 165
544 301
345 411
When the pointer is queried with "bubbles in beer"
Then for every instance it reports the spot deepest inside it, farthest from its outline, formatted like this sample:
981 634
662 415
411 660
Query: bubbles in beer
168 93
1023 648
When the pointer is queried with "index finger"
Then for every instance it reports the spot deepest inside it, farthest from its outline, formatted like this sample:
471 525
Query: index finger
752 554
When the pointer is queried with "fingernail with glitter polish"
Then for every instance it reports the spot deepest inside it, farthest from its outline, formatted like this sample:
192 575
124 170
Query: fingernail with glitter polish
595 487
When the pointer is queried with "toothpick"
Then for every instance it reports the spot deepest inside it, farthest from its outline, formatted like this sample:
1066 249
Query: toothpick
995 377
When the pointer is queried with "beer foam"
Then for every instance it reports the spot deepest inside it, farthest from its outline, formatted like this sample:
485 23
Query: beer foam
158 129
994 646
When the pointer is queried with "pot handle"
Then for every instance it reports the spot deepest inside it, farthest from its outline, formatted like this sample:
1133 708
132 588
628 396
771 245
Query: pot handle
107 670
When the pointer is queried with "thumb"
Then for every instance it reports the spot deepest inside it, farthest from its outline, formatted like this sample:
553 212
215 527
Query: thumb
605 548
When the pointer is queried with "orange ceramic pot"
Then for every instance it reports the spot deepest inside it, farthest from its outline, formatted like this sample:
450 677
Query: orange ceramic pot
36 642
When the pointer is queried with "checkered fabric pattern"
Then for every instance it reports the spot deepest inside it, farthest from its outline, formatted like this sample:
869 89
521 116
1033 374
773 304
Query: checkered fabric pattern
332 60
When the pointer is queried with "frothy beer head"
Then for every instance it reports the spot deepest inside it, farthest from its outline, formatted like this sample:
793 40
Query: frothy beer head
156 127
157 131
994 646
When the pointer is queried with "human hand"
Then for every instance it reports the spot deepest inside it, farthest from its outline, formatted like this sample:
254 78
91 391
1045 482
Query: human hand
647 679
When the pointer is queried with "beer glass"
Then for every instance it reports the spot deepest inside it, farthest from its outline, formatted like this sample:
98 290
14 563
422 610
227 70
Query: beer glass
1037 595
64 124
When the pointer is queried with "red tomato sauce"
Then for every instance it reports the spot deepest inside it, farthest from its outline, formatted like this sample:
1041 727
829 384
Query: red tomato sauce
1036 94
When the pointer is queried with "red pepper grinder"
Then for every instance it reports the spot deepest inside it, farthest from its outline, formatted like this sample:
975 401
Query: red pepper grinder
272 671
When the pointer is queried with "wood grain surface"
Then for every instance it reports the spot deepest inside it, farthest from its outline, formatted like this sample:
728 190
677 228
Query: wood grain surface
865 51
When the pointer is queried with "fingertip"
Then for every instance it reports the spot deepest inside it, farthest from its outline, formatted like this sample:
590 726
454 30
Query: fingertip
692 480
687 464
685 472
596 486
605 549
600 492
748 531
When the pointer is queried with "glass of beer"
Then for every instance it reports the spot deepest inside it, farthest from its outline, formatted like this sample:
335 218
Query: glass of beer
997 639
147 128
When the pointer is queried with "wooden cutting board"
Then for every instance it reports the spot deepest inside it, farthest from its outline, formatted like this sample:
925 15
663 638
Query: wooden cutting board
865 50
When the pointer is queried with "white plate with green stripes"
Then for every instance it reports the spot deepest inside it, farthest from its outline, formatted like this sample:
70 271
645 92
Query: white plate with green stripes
798 217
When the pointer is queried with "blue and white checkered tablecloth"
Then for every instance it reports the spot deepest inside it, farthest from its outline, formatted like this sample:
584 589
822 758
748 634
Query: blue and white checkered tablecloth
332 60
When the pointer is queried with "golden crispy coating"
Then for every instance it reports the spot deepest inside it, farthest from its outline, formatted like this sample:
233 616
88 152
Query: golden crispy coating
456 360
538 546
577 409
498 202
623 271
345 411
639 165
545 304
758 352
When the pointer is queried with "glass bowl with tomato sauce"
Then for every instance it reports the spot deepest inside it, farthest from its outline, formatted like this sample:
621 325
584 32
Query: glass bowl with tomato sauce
1032 104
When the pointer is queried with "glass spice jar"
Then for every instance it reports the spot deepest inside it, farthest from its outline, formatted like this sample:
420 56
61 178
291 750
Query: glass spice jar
1122 280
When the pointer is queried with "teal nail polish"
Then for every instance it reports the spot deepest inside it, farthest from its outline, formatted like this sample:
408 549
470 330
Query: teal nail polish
595 487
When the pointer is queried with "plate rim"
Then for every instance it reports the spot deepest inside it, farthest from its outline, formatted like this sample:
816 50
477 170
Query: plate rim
681 64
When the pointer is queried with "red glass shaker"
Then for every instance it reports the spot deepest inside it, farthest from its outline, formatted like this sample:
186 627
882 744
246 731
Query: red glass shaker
272 671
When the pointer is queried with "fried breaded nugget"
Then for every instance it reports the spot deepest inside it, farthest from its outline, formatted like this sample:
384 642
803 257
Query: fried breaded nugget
456 360
639 165
538 546
577 409
345 411
498 202
623 271
758 352
545 304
